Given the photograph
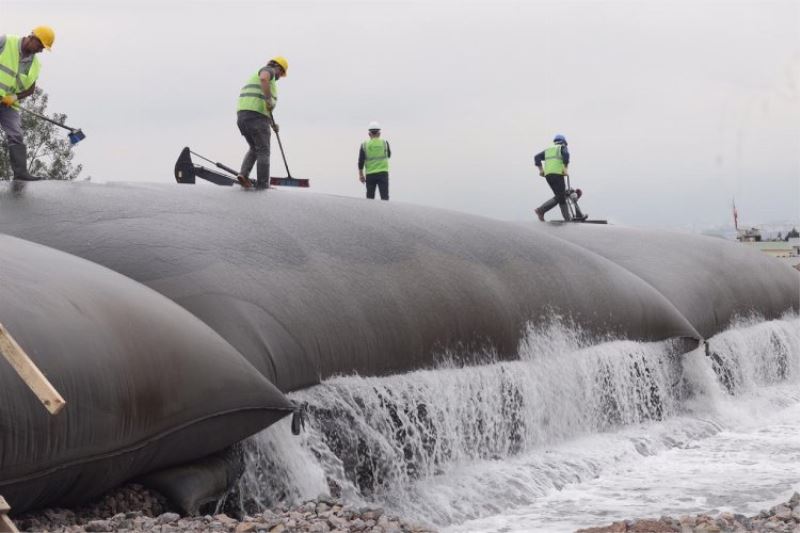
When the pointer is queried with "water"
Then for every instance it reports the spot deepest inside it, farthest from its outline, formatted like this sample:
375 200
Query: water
579 432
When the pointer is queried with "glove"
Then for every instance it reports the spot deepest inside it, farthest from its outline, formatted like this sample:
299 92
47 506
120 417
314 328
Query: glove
541 172
10 99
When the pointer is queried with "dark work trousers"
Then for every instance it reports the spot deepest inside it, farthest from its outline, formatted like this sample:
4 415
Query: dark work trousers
256 130
559 187
381 179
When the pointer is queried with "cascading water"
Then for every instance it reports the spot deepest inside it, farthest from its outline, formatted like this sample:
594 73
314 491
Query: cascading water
454 444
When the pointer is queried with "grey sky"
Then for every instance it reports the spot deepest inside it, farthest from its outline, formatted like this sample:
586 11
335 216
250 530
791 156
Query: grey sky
671 108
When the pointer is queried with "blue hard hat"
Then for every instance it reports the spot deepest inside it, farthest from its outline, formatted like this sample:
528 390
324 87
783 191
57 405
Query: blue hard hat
560 139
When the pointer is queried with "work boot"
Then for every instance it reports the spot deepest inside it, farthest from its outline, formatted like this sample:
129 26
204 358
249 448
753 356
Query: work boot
565 212
544 208
19 163
244 182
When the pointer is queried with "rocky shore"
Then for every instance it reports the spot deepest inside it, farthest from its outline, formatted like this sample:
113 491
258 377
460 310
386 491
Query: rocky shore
780 518
135 509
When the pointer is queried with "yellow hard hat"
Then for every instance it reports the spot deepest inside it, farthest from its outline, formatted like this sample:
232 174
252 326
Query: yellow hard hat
45 34
283 63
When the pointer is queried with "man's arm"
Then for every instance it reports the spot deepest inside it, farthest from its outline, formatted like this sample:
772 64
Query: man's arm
27 92
362 157
388 150
537 160
265 75
565 158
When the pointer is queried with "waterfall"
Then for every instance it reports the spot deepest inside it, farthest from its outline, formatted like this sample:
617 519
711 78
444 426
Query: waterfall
456 442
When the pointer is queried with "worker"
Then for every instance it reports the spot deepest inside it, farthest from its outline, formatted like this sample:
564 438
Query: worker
556 167
257 100
373 159
19 70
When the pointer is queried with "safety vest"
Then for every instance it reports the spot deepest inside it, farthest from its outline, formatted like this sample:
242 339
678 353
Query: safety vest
12 81
553 163
376 152
251 97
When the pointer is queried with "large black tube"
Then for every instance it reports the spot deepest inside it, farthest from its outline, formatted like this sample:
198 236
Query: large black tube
709 280
146 384
307 286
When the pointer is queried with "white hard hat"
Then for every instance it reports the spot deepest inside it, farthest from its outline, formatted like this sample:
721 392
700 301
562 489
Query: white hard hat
374 126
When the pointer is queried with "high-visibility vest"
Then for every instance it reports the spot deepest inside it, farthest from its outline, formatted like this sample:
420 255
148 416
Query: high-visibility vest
553 163
251 97
12 81
376 152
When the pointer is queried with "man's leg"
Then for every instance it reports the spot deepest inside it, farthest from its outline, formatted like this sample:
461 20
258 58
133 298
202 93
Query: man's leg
11 124
255 129
545 207
249 158
371 183
261 140
383 185
559 187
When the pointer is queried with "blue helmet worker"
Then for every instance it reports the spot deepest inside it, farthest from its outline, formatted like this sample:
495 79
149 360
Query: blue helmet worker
553 164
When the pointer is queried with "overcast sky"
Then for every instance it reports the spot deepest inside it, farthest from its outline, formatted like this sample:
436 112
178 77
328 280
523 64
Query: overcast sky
671 107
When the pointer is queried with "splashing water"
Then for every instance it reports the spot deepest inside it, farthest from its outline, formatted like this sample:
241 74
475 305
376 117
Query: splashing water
483 443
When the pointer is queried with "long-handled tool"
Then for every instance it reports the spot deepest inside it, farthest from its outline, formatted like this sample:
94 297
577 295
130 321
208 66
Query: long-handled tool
75 134
288 181
572 197
186 172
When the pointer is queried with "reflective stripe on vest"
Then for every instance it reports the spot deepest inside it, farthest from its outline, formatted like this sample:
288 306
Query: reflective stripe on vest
553 164
12 81
376 156
251 97
9 64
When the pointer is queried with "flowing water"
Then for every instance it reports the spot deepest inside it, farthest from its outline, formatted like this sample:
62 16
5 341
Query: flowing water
578 432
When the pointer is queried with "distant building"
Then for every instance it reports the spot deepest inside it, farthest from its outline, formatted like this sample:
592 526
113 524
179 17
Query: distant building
775 248
748 235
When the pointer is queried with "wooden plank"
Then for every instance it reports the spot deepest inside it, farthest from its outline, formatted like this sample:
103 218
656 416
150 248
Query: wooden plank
6 525
30 373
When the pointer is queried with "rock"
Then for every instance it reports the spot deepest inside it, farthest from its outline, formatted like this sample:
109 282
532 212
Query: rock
275 521
246 527
707 527
337 522
98 525
371 512
650 526
322 507
319 527
278 529
781 512
168 518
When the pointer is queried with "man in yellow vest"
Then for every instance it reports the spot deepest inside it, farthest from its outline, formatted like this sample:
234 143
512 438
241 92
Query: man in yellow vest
556 166
257 99
19 70
373 158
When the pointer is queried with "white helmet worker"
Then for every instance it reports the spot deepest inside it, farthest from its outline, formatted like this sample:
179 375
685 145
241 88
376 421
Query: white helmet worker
374 126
